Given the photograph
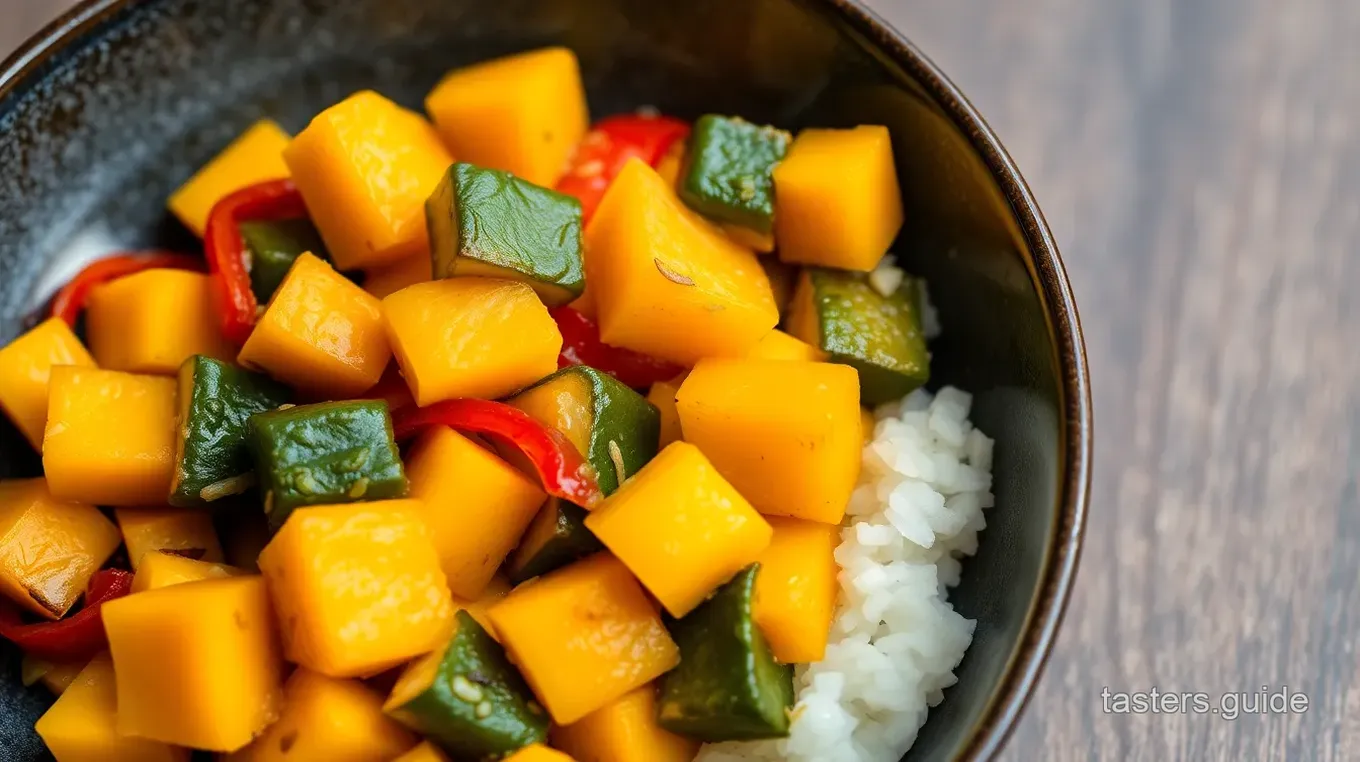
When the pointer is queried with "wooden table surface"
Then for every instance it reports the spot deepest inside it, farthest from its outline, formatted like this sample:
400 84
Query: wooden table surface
1200 165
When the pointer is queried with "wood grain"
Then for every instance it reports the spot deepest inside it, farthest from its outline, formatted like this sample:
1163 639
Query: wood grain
1199 164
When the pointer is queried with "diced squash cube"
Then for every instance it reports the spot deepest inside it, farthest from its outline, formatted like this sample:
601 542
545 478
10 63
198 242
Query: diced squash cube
583 636
255 156
662 394
25 367
778 345
665 281
110 437
357 587
198 663
785 433
470 337
384 281
152 321
80 726
796 589
475 505
325 718
49 548
59 676
162 569
189 533
837 201
625 731
320 333
783 278
365 167
523 113
426 752
680 527
480 607
538 753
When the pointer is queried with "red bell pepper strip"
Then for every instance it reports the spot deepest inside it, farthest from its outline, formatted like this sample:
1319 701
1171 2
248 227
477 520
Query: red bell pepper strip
560 467
608 147
70 300
79 636
225 250
581 345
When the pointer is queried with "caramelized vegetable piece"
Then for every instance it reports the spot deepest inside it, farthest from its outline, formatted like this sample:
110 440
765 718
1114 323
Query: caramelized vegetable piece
365 167
49 548
189 534
583 636
109 454
778 345
163 569
198 663
666 282
255 156
470 337
522 114
320 333
796 589
25 367
785 433
274 246
426 752
680 527
152 321
384 281
81 726
556 537
837 202
357 587
625 731
727 175
662 395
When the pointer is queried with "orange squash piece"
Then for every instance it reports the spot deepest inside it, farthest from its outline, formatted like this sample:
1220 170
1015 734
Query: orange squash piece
189 532
425 752
25 367
152 321
160 569
778 345
59 676
538 753
81 726
49 548
254 157
796 589
384 281
625 731
662 394
479 608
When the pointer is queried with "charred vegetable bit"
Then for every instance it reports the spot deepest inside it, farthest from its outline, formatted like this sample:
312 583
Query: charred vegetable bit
728 172
273 246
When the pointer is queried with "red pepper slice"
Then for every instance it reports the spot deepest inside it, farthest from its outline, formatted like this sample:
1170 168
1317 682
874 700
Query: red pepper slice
79 636
225 250
608 147
581 345
70 300
560 467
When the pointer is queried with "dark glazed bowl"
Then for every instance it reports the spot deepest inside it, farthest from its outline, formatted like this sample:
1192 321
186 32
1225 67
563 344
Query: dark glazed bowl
111 107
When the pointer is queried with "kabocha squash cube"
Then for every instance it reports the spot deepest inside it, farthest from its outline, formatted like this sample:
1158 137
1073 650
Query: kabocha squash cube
254 157
25 368
583 636
778 345
320 333
625 731
198 664
188 533
538 753
666 282
163 569
152 321
81 726
470 337
49 548
662 395
357 588
522 114
273 247
727 175
489 223
426 752
365 167
110 437
384 281
837 202
785 433
330 719
680 527
795 595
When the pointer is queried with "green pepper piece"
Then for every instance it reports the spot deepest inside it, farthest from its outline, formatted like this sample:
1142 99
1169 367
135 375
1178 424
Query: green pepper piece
332 452
728 686
216 400
729 171
273 246
556 537
491 223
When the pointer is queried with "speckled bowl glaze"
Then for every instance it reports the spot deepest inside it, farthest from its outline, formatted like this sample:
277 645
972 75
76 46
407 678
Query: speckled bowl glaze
112 106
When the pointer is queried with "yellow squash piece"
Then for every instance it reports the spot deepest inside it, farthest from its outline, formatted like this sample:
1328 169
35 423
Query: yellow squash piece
255 156
475 505
384 281
480 607
836 198
583 636
320 333
189 532
625 731
160 569
110 437
538 753
785 433
523 113
25 367
426 752
680 527
365 167
152 321
325 718
796 589
662 394
665 281
80 726
357 587
59 676
778 345
470 337
198 663
49 548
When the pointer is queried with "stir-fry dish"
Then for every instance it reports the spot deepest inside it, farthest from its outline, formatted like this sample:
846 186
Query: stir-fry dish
492 433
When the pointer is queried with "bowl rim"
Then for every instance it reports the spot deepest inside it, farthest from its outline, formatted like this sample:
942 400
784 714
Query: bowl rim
1029 656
